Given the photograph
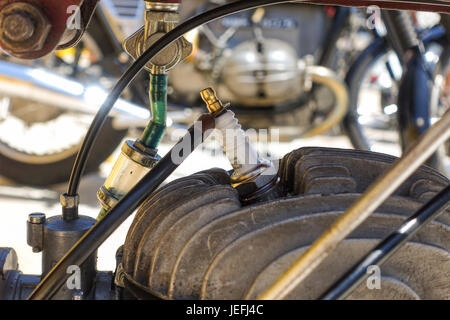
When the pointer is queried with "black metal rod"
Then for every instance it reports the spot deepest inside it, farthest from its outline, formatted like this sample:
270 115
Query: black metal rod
383 251
95 236
334 32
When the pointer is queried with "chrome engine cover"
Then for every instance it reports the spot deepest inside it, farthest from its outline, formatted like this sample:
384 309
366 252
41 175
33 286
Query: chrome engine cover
262 74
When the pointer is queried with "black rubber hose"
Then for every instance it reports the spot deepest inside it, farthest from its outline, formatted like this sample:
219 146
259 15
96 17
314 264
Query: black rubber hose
378 255
96 235
180 30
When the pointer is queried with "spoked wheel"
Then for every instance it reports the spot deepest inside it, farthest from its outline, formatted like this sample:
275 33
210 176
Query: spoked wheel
43 151
372 118
39 142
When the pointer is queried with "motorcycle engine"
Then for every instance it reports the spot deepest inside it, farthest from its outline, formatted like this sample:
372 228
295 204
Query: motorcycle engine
250 70
194 238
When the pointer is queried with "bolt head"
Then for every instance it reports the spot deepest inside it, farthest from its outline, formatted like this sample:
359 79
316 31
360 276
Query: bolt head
23 28
18 27
36 218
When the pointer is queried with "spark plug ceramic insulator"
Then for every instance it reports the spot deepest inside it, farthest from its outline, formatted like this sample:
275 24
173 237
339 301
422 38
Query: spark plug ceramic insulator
240 153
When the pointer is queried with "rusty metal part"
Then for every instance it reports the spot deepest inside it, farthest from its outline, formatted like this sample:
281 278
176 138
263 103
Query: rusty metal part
200 253
17 27
361 209
23 28
56 34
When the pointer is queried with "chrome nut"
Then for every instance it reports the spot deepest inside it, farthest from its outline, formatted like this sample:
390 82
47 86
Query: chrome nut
23 28
69 201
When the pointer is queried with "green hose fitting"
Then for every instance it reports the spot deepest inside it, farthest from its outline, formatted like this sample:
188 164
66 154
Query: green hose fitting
158 103
133 155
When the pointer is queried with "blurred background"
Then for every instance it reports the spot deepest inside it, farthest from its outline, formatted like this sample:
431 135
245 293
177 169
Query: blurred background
307 75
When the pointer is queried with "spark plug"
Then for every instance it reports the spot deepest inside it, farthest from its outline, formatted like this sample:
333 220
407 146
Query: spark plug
254 178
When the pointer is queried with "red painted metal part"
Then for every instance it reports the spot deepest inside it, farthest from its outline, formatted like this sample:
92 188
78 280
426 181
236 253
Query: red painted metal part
57 14
167 1
432 6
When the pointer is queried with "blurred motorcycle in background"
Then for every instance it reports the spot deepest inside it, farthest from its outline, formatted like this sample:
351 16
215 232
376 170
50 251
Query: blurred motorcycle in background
281 66
402 105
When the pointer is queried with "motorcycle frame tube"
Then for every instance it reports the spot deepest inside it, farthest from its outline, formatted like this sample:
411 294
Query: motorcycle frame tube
95 236
337 26
154 132
401 34
413 101
387 247
374 196
431 6
415 95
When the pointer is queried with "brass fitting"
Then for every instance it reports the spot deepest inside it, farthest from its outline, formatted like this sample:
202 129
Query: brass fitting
213 104
160 18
